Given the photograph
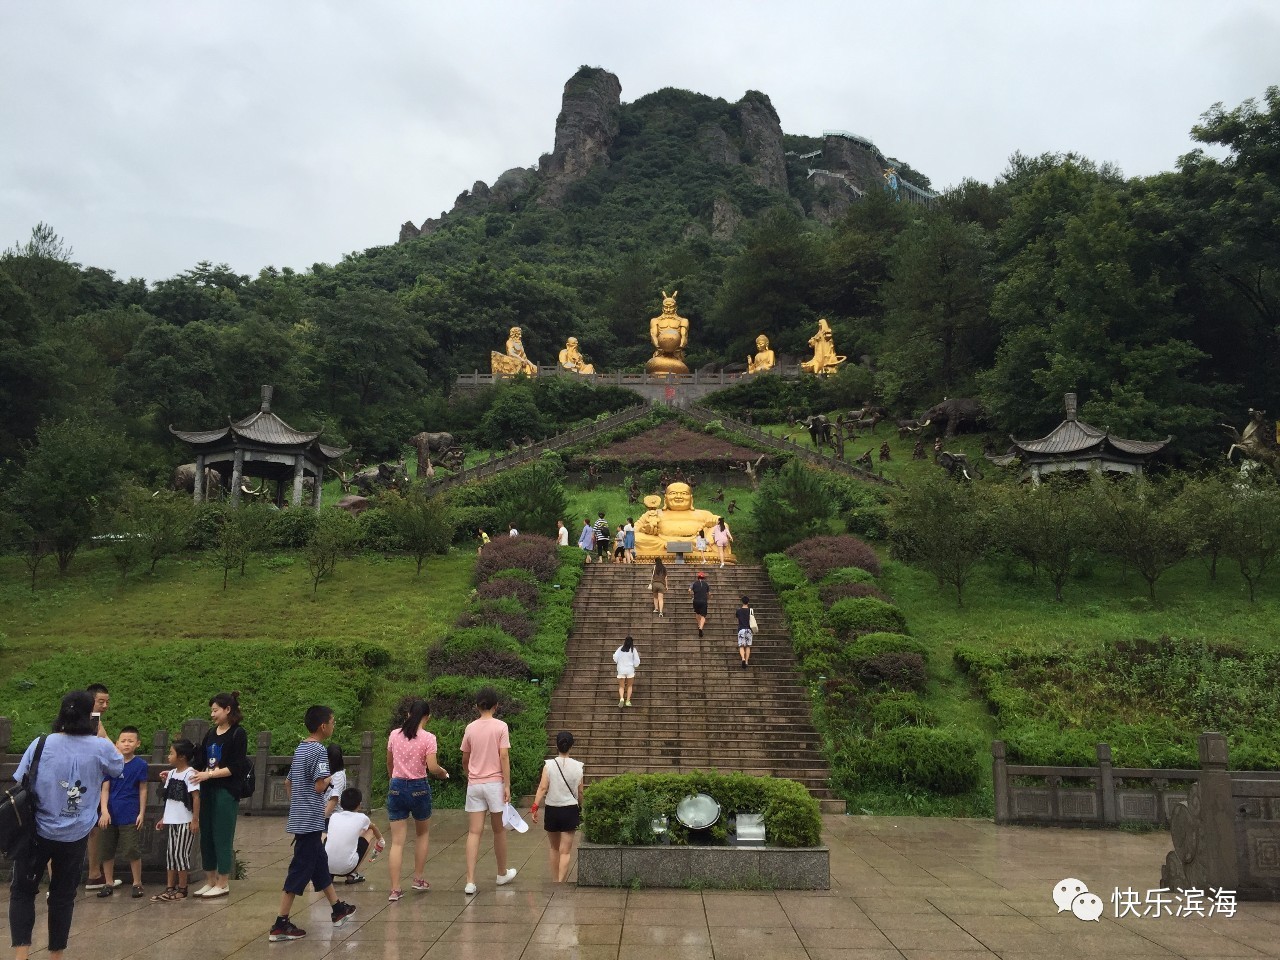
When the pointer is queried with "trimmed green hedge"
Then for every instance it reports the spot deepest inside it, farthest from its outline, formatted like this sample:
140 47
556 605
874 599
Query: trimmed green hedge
920 757
527 698
791 814
857 615
845 575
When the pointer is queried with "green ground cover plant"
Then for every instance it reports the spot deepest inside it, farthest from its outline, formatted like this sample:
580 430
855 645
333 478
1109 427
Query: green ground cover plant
889 751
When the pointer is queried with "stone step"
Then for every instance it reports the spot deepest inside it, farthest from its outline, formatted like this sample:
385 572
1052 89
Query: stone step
696 709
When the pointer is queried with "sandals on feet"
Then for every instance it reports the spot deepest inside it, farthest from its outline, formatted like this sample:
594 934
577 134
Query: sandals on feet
164 897
137 891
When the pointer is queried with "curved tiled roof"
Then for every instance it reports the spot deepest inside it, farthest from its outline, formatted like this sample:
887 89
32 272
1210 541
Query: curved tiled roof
1076 436
262 427
266 427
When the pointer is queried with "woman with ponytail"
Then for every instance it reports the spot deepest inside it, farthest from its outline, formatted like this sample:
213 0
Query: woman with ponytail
411 755
224 755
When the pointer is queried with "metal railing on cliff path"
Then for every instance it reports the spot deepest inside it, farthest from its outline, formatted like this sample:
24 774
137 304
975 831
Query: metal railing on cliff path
495 465
816 457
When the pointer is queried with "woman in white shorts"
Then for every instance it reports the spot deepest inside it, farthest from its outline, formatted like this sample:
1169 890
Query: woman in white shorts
627 657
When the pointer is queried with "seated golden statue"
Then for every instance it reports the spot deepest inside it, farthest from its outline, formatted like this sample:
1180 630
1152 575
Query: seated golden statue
669 333
571 359
514 360
679 521
825 359
763 360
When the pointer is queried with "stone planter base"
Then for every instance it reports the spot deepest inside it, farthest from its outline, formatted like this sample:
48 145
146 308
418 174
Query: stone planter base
775 868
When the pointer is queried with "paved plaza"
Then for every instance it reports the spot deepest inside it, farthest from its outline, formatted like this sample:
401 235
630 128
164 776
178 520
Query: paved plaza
900 887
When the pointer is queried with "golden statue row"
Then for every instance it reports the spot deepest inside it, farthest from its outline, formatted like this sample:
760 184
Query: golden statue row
669 333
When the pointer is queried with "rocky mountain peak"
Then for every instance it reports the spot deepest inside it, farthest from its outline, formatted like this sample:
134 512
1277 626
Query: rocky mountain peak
585 129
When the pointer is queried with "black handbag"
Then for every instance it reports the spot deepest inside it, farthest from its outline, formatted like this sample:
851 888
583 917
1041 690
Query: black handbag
18 810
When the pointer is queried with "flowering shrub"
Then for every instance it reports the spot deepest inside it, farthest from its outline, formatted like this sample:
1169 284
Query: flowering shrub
524 593
500 614
525 552
818 556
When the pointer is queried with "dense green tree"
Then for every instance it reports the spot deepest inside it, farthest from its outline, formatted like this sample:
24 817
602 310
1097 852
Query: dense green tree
1250 516
43 269
945 526
424 523
791 505
68 482
30 369
1143 524
936 330
1049 525
368 349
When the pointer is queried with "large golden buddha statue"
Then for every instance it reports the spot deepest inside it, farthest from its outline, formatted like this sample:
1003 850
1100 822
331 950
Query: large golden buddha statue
514 360
677 521
669 333
825 359
571 359
764 358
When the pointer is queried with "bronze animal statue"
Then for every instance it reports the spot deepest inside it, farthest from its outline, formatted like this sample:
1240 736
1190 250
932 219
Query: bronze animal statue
958 466
184 480
1255 442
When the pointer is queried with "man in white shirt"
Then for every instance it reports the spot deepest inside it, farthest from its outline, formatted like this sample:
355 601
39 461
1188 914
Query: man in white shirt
562 534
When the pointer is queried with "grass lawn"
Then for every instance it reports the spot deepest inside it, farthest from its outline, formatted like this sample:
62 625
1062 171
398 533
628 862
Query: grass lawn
900 466
368 599
1004 608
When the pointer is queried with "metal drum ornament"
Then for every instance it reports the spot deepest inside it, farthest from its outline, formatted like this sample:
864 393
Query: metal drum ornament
698 811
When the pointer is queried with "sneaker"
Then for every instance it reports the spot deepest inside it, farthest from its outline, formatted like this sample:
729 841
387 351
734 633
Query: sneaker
355 878
421 885
699 631
469 889
284 930
394 895
744 664
621 702
341 911
507 877
105 891
628 703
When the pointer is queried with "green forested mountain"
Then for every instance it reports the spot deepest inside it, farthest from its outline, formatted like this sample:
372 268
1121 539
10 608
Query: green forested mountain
1157 299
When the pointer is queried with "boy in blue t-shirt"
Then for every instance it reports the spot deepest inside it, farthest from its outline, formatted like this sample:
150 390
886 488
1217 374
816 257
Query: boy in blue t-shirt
309 778
123 804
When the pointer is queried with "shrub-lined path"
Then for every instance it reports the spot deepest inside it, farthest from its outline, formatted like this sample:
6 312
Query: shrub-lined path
694 707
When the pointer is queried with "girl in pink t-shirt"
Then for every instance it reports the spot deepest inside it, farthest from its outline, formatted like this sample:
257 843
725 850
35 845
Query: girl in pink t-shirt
411 756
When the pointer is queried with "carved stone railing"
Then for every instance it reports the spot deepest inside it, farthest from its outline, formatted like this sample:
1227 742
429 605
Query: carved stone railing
619 378
497 463
809 455
1226 834
1102 795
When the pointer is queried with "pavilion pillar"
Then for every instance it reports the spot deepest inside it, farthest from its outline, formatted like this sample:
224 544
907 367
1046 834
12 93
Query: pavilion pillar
317 488
237 477
199 482
297 480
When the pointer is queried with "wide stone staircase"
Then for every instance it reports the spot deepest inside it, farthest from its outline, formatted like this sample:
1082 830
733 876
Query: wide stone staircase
694 707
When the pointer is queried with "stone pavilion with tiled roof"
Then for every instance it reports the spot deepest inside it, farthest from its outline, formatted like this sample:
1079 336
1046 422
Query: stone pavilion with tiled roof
261 445
1076 445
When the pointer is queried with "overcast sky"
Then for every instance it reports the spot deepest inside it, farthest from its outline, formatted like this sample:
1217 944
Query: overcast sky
153 135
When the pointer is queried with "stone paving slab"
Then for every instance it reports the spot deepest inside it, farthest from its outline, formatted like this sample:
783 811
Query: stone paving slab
902 888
